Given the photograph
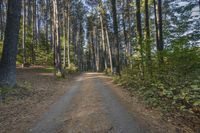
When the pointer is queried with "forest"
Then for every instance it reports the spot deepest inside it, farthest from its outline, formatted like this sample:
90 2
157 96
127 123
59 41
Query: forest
150 48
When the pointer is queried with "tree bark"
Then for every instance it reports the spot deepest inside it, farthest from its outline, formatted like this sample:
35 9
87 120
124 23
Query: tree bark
68 34
116 37
24 33
139 33
160 45
1 20
156 23
103 42
57 47
109 50
8 61
147 38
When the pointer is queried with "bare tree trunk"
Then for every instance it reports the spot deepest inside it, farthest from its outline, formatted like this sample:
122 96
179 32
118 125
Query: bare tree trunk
148 42
24 33
58 65
34 41
1 20
139 34
65 37
97 49
8 60
156 23
47 22
103 42
125 34
68 34
93 49
109 50
160 45
116 37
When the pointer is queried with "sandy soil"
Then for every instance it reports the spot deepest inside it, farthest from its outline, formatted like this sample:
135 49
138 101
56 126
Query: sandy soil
19 113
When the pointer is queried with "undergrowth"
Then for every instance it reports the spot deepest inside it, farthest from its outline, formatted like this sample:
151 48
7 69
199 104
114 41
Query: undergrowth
20 91
167 91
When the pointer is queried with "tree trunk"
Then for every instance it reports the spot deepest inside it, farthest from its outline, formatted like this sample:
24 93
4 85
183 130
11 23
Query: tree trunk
156 23
103 42
8 61
109 50
24 33
160 45
65 41
148 42
116 37
125 34
68 34
139 34
1 20
93 48
47 23
58 65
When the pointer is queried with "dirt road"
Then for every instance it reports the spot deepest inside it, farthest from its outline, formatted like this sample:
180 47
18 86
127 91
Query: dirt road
89 106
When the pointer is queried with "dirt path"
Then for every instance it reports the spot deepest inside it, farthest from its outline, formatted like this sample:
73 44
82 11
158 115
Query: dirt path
88 106
86 103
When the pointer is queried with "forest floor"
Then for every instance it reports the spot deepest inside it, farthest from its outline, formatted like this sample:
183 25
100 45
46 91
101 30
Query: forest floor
84 103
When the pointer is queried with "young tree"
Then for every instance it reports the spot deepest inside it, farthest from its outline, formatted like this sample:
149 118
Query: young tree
8 60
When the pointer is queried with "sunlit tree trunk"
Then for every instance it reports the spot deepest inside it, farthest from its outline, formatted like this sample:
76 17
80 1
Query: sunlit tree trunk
109 50
65 37
57 47
24 33
103 42
68 34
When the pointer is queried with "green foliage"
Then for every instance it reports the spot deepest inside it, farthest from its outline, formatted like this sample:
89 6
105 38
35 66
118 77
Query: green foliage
173 86
72 69
108 71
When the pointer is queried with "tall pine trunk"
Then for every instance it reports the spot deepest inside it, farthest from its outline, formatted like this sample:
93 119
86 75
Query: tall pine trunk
139 33
8 60
24 33
116 37
147 37
160 45
1 20
109 50
57 46
68 34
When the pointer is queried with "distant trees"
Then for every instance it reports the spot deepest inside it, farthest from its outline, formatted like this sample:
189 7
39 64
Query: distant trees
8 60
